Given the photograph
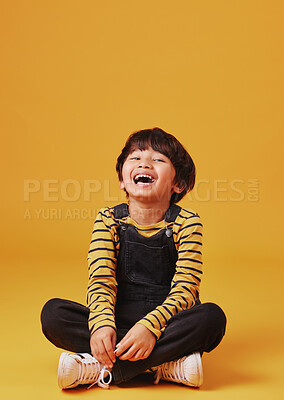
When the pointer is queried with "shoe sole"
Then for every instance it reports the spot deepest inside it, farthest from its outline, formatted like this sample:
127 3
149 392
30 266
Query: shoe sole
61 372
199 369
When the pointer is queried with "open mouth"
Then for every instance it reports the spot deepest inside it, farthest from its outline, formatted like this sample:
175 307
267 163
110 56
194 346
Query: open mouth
143 179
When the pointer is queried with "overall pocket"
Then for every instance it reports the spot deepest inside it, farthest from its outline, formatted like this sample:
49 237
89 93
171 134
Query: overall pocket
148 264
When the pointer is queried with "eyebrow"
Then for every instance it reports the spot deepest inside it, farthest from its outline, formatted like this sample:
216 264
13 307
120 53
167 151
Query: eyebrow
156 153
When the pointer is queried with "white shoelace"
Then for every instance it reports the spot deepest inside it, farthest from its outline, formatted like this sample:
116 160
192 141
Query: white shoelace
172 370
91 371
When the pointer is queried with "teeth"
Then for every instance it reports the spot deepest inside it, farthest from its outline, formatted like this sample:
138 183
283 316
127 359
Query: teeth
136 177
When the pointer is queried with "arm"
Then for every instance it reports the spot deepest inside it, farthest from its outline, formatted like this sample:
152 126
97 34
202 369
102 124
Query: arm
186 281
101 293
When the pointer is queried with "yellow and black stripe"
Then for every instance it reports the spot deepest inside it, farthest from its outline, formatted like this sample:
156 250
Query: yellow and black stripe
102 256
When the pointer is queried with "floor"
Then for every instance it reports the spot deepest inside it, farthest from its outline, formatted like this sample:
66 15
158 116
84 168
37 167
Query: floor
247 365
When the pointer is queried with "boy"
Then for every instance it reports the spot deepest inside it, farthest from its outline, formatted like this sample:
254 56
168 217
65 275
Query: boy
145 268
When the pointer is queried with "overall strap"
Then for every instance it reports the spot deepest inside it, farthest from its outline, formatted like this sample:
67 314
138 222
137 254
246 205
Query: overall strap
172 213
121 211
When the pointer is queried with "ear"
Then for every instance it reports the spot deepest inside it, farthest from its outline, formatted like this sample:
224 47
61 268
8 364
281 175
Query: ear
121 185
178 189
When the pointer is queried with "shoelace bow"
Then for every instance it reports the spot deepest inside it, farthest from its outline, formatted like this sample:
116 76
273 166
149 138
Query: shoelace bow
91 371
171 370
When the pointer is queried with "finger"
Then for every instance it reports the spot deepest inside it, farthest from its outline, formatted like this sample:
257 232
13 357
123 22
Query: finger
121 347
106 360
109 349
95 353
126 337
121 343
145 355
141 355
137 356
131 351
113 340
94 348
102 355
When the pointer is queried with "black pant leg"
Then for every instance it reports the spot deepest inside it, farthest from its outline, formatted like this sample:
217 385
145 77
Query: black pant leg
65 324
199 329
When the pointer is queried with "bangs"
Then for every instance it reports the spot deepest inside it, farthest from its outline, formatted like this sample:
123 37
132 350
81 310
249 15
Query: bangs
145 139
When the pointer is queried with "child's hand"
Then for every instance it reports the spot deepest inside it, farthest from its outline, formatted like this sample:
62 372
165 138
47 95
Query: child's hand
102 344
139 341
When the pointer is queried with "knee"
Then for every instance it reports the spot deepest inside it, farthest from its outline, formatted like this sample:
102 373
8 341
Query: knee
215 316
49 314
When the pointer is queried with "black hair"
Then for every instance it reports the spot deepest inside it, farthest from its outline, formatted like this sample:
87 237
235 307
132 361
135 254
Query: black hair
166 144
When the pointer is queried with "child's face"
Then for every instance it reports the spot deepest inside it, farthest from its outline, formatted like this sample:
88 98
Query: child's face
148 175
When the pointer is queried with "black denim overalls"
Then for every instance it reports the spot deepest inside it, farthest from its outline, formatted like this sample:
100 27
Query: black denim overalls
145 268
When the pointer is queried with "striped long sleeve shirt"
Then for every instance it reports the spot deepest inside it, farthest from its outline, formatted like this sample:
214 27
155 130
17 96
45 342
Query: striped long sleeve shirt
102 257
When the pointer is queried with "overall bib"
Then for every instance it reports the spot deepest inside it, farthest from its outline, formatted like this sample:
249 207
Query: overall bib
145 268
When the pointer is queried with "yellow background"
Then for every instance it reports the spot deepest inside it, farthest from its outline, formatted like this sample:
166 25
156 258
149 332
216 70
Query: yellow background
77 77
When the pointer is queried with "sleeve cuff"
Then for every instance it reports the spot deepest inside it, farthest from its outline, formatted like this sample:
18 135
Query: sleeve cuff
157 332
94 327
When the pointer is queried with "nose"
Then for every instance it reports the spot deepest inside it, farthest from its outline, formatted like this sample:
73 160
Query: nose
144 164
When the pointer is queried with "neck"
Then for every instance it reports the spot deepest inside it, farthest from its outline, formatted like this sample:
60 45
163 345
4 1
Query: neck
147 214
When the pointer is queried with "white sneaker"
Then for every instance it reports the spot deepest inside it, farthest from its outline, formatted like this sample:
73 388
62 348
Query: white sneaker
186 370
80 369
